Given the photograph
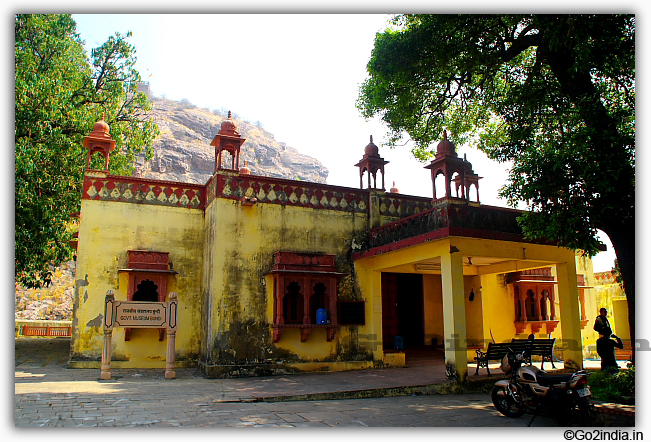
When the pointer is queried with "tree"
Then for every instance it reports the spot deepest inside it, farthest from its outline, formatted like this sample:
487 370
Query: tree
60 93
553 94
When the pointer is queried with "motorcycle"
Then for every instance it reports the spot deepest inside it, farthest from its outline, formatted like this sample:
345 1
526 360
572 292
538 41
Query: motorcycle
566 397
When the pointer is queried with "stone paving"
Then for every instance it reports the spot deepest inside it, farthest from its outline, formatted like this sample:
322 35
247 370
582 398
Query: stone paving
156 406
49 395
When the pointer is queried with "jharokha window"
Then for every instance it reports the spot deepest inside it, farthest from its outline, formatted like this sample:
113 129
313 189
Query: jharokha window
149 274
305 293
533 295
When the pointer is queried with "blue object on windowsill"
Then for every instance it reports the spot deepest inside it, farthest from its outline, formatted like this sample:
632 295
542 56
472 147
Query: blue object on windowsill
322 316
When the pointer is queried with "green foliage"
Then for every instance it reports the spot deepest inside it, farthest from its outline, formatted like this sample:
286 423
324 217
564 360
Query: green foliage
614 387
59 94
554 95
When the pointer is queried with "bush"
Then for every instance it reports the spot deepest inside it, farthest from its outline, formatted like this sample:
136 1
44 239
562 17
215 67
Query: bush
614 386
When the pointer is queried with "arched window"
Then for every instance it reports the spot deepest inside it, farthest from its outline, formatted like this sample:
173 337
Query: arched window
473 193
455 184
293 304
317 300
544 305
97 160
227 160
530 305
439 185
146 291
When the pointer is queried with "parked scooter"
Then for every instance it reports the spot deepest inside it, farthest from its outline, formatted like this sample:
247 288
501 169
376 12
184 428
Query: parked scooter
531 390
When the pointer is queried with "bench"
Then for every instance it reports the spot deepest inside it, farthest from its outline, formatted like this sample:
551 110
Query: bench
535 347
495 352
538 347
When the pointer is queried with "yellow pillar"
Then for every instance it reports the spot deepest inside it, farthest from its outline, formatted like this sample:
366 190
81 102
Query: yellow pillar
454 315
570 315
370 283
375 301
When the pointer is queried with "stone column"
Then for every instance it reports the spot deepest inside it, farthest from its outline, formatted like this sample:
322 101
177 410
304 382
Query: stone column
170 360
536 304
105 365
448 189
569 315
105 368
454 315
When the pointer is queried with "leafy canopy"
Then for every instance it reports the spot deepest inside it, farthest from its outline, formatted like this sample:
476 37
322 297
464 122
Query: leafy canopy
555 95
60 93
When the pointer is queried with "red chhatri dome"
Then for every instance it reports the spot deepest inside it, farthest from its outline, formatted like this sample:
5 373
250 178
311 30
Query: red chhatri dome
445 147
100 141
228 127
102 127
101 130
245 170
371 149
394 189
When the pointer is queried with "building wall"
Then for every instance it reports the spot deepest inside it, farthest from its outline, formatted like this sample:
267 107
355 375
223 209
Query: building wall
498 309
433 309
239 244
609 294
107 230
474 310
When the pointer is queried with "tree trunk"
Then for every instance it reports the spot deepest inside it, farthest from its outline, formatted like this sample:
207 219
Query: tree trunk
624 244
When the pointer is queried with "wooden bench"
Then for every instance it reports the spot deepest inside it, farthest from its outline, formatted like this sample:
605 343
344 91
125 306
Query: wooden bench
495 352
538 347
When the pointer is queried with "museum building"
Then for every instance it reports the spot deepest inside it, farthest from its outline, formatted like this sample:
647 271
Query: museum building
276 276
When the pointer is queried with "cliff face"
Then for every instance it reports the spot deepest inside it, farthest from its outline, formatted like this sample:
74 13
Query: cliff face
183 151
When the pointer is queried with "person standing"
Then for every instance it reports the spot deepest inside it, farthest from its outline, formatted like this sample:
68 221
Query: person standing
601 323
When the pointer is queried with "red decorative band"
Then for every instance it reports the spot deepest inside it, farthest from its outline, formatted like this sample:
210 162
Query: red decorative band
255 189
401 206
144 191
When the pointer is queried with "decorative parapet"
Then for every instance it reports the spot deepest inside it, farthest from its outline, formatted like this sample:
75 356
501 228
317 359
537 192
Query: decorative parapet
143 191
251 189
427 221
443 220
402 206
603 278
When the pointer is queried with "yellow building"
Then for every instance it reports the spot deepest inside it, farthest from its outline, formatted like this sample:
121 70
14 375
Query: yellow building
275 275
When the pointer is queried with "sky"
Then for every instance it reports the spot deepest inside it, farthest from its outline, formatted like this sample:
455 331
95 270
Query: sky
299 75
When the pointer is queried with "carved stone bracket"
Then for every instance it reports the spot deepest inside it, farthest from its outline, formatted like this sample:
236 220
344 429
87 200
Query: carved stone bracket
536 326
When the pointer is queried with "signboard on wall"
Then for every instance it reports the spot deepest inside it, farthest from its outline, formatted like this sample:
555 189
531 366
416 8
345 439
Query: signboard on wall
139 314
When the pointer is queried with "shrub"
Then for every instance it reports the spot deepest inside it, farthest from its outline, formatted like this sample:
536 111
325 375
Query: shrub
614 386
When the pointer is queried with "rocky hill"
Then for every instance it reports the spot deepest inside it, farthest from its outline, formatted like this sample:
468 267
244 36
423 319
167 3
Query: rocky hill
51 302
183 151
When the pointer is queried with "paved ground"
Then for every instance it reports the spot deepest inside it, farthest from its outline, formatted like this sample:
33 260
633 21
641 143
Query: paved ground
49 395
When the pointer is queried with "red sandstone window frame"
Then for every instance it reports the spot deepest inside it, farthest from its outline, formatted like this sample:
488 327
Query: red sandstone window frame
306 271
541 284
